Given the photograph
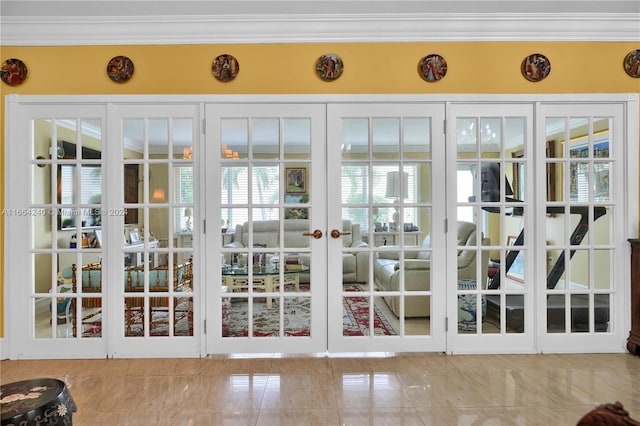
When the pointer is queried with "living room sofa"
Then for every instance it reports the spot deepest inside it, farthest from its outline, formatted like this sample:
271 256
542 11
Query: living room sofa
355 266
417 266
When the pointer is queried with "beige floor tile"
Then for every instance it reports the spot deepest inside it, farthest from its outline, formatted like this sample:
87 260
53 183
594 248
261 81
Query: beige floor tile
298 417
403 389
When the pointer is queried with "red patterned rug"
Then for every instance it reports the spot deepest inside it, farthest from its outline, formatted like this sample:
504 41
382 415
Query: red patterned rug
297 317
355 316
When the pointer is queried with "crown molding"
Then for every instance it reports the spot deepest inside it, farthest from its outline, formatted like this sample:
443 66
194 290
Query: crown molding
314 28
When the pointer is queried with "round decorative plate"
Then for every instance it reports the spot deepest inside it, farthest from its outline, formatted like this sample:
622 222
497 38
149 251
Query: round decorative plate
329 67
536 67
120 69
225 68
632 63
432 68
13 72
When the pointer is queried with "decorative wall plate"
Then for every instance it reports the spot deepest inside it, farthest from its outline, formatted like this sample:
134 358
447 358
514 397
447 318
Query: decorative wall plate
225 68
536 67
432 68
329 67
120 69
632 63
13 72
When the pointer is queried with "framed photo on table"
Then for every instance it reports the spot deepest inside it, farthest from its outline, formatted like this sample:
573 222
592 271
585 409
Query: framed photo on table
296 180
134 236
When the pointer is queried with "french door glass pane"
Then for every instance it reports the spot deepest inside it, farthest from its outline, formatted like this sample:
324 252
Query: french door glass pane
158 225
580 224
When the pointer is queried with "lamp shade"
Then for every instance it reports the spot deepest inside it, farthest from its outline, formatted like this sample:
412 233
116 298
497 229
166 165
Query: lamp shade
188 212
393 185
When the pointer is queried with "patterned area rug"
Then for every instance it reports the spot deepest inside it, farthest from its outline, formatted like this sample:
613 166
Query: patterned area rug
355 316
183 326
297 317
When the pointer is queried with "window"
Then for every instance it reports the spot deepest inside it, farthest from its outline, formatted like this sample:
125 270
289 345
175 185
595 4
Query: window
183 189
235 188
355 184
91 193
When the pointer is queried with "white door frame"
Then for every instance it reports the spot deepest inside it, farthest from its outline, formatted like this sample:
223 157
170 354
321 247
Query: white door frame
13 344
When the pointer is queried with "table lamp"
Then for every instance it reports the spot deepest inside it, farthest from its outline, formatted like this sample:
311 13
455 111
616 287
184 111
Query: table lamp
394 191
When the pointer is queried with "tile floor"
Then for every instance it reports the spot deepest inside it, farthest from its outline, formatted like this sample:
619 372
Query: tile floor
397 389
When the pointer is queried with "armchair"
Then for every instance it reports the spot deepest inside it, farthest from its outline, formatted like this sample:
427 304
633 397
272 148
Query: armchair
417 268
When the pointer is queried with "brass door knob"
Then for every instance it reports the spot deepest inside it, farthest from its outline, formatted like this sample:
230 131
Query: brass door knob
337 234
317 234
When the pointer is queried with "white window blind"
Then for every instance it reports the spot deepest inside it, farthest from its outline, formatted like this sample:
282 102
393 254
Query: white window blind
355 186
183 190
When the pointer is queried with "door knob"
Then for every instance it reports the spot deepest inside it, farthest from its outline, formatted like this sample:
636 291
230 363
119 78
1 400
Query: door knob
336 234
317 234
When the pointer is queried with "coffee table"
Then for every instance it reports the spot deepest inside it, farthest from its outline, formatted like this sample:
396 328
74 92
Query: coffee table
267 279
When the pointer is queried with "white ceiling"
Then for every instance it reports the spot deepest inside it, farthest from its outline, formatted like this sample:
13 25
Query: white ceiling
77 22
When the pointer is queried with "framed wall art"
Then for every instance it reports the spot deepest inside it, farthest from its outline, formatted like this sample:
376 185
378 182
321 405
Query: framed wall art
296 180
536 67
632 63
225 68
13 72
432 68
329 67
120 69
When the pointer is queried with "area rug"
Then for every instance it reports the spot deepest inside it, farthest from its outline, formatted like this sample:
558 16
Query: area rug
297 317
183 326
355 316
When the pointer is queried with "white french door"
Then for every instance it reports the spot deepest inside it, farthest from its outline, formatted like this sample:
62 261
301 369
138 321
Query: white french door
583 230
490 179
154 276
550 211
318 226
51 181
385 167
266 239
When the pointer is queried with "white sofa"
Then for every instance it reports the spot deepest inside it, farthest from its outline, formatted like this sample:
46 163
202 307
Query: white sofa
417 271
355 266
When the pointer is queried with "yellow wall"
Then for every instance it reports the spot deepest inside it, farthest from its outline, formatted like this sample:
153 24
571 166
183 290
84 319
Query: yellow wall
483 67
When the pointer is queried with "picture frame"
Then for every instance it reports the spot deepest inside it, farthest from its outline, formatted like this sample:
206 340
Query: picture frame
296 213
516 270
134 236
296 198
296 182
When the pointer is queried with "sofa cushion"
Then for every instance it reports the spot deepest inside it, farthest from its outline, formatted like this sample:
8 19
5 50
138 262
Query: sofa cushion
383 269
425 254
92 279
348 263
263 233
293 233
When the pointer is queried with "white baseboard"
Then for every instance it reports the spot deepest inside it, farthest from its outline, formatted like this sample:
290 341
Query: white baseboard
4 353
42 305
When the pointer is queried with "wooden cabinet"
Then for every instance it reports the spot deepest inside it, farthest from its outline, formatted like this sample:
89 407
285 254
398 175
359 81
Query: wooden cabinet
633 342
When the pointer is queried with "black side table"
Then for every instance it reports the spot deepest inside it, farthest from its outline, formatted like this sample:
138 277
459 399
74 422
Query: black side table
36 402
